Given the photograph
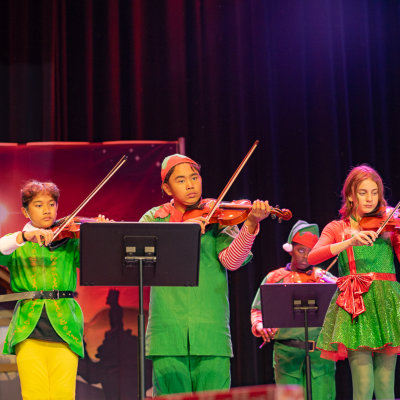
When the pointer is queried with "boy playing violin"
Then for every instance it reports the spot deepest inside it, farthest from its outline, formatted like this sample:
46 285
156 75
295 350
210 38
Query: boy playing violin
289 354
46 330
188 334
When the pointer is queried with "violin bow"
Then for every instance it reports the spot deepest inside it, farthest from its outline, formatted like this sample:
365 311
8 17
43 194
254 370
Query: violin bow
230 182
116 167
378 232
331 264
388 218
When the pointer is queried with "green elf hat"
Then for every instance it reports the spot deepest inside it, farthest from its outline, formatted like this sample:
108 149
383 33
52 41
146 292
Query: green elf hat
170 162
302 233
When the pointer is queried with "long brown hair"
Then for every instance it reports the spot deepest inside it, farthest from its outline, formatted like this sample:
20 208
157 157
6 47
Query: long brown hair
354 178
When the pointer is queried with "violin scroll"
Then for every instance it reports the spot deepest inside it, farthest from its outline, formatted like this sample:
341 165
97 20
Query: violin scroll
281 214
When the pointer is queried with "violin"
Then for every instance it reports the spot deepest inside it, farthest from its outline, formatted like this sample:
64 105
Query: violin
72 229
384 220
313 277
231 213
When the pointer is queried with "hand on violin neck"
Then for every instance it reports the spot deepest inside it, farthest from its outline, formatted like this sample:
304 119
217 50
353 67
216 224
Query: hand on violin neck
259 211
321 275
102 218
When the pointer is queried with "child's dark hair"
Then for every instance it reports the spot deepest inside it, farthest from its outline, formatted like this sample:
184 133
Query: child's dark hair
33 188
195 167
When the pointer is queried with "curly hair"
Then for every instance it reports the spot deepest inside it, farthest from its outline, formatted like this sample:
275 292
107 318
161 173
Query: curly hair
33 188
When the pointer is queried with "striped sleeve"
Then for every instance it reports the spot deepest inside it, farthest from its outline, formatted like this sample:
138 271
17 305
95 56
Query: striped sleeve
236 253
256 321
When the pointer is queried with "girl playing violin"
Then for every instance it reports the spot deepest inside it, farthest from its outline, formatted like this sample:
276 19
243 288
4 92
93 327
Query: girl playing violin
46 330
188 335
362 322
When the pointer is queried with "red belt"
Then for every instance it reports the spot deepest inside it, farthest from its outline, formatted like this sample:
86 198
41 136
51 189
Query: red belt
352 287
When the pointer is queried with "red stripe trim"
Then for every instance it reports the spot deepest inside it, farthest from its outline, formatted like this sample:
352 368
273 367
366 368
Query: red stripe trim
350 251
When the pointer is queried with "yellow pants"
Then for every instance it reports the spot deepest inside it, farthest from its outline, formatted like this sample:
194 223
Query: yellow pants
47 370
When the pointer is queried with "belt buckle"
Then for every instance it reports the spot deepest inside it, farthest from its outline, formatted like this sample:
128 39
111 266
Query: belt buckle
56 294
313 345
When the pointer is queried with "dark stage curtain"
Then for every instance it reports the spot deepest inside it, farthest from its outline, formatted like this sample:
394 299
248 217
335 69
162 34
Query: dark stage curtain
317 81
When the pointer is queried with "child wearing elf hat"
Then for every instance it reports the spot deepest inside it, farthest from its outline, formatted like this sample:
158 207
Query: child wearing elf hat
188 334
288 358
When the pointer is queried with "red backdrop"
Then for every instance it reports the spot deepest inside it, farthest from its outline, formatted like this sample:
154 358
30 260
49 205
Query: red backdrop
77 168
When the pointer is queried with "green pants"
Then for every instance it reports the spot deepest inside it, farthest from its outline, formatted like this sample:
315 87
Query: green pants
290 369
188 374
322 388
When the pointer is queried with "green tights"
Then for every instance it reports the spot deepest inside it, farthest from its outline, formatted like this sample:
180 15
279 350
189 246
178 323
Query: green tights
372 372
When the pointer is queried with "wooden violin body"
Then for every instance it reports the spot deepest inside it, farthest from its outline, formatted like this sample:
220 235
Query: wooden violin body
385 220
230 213
72 229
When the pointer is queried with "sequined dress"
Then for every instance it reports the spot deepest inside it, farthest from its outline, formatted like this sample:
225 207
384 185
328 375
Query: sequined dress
377 328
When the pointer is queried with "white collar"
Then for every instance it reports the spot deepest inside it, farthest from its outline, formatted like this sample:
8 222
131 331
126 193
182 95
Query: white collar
29 227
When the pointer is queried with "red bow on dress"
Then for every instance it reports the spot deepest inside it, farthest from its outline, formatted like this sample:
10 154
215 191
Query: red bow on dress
352 287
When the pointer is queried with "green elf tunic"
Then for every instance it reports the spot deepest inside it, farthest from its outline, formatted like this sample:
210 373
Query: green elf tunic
289 361
34 268
192 320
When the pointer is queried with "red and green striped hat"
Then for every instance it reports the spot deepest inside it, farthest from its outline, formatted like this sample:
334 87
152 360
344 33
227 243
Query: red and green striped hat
170 162
302 233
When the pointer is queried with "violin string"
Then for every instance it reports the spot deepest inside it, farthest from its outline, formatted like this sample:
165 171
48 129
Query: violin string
88 198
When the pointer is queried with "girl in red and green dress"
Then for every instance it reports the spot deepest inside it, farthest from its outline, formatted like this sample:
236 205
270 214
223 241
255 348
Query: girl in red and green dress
44 333
362 321
188 335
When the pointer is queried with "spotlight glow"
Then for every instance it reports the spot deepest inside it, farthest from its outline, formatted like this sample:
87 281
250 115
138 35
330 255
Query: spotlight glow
3 213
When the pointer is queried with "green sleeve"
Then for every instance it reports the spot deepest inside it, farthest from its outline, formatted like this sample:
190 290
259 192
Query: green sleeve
4 259
257 299
149 216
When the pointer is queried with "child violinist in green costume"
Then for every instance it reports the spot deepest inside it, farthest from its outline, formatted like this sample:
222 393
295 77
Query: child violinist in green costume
289 355
46 332
362 321
188 335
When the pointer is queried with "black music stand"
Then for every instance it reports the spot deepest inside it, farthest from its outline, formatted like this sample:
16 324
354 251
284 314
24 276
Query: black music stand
140 254
294 305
